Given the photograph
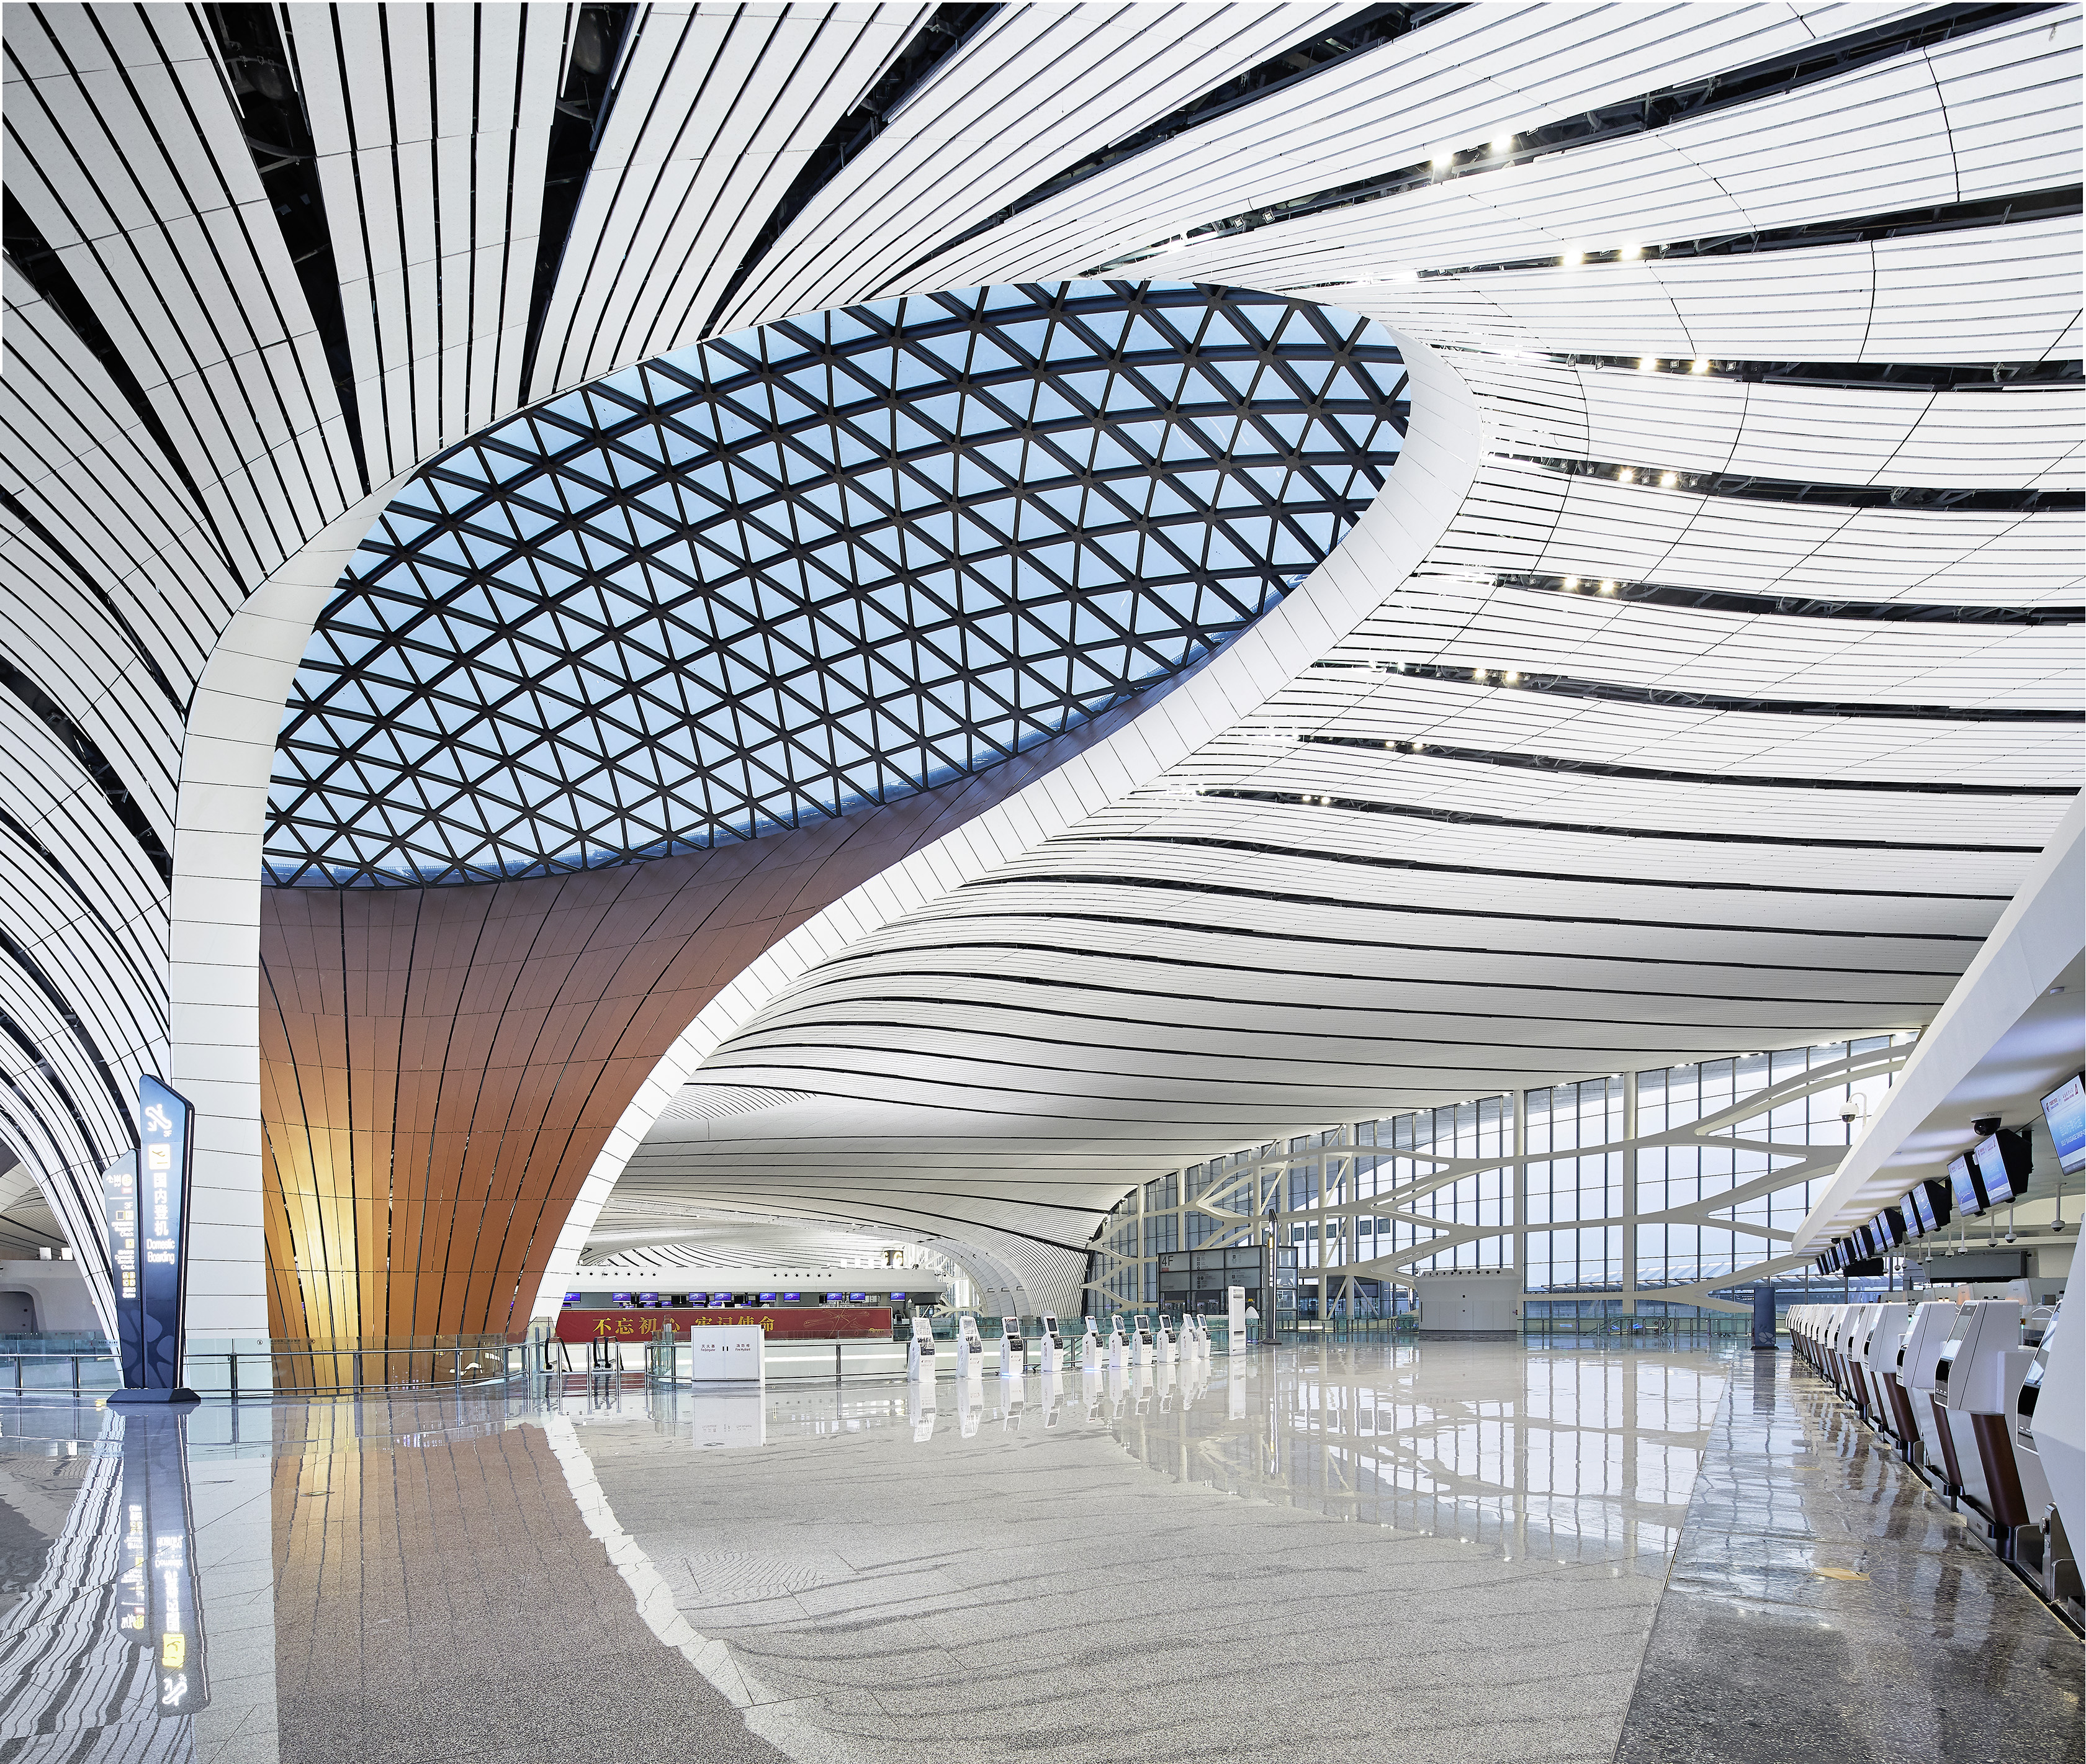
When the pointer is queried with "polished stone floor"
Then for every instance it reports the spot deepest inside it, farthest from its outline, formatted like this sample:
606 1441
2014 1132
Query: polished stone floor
1823 1604
1450 1551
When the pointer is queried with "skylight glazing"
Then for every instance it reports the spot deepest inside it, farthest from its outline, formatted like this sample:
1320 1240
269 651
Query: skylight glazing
820 565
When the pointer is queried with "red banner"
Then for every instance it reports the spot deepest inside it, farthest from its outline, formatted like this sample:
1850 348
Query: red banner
808 1323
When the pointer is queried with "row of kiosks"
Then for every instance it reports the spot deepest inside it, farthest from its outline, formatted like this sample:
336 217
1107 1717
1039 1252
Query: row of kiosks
1986 1398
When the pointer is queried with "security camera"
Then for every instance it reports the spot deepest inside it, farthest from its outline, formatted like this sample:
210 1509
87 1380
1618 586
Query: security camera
1849 1110
1985 1125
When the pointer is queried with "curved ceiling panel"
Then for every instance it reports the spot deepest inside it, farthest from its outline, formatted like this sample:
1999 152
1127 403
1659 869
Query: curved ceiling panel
823 563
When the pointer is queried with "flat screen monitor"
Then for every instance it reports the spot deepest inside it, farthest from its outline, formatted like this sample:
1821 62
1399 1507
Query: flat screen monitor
834 1298
572 1298
1907 1211
648 1299
2004 1163
1992 1173
1887 1228
1965 1190
2065 1110
858 1298
793 1299
766 1299
618 1298
1920 1203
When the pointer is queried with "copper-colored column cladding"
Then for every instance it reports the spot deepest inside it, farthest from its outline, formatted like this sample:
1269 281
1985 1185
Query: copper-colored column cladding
440 1066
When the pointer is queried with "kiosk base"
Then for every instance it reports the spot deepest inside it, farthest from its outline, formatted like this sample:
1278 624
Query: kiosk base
179 1394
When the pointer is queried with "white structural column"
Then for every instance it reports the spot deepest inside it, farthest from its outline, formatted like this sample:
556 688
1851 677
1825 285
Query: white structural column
214 965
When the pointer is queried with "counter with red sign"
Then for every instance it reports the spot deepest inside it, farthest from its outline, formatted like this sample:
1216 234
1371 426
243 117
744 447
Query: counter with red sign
783 1323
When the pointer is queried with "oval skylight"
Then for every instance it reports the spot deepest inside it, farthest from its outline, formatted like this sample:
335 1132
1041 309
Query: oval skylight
816 565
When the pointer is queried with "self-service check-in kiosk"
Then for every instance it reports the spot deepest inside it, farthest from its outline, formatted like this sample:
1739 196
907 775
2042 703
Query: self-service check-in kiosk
1963 1375
1118 1348
2060 1416
1921 1353
1013 1350
1050 1348
920 1352
1164 1347
1844 1320
970 1348
2049 1428
1144 1350
1970 1379
1885 1342
1090 1346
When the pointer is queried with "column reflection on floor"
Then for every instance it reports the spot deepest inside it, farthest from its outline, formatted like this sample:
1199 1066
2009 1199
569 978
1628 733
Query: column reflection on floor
105 1650
872 1574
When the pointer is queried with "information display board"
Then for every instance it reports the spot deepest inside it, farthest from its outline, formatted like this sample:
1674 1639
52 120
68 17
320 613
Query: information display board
146 1207
822 1322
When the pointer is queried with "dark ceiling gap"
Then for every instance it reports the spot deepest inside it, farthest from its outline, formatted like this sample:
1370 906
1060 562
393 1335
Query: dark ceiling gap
1679 698
1773 77
592 59
77 742
1791 606
1752 487
946 29
260 66
1369 28
1544 762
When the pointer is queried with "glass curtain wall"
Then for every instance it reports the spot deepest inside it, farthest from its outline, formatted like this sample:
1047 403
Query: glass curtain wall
1604 1195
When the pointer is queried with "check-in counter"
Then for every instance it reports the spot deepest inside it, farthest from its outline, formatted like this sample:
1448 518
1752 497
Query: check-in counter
1970 1384
1928 1335
1879 1346
1844 1316
2059 1416
1860 1328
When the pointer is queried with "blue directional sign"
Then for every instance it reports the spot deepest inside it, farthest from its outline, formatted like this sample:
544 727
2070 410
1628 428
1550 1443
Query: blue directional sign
119 1208
148 1250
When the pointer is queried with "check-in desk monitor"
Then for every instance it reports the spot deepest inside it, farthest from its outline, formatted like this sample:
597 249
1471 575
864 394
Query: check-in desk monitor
2003 1165
1965 1190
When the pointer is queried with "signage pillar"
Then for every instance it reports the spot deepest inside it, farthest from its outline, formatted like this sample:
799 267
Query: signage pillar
148 1218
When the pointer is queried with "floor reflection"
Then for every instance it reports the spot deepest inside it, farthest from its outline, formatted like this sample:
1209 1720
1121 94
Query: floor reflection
104 1652
868 1573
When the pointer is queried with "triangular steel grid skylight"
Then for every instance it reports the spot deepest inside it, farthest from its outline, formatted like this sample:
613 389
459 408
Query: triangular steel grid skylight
823 564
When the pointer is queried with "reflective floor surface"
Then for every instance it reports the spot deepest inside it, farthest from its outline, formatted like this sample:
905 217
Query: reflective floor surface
1453 1551
1824 1605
